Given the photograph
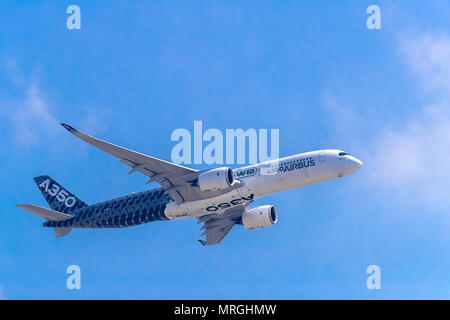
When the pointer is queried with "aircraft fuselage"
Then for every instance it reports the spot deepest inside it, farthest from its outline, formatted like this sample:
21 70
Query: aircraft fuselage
270 177
258 180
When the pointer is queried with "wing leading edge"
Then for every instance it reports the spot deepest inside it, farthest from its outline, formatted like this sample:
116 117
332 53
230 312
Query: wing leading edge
177 180
170 176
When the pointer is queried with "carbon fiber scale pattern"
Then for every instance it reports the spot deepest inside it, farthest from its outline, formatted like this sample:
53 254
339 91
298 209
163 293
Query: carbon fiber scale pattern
46 184
127 211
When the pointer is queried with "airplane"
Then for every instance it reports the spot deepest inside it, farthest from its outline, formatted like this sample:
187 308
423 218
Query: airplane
219 198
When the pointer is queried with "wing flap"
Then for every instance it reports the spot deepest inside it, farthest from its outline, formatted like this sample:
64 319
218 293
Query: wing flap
216 235
218 225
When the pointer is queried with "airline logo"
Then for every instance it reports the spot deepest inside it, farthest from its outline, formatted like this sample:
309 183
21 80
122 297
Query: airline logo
245 173
302 163
296 165
58 192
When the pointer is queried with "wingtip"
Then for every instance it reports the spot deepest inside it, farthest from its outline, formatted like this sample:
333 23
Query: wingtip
203 242
69 128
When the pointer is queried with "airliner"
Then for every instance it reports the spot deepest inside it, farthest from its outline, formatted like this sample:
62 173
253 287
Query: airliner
219 198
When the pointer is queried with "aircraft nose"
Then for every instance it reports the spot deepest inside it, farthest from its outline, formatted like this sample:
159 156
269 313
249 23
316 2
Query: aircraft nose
351 165
356 162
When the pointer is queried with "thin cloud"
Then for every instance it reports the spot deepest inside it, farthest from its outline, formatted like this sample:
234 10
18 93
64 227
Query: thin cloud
24 105
414 159
411 159
428 57
31 116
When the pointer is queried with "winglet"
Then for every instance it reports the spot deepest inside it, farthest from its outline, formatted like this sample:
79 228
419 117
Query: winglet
203 242
69 128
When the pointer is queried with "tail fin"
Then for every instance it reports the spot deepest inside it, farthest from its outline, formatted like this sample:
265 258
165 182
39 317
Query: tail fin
59 198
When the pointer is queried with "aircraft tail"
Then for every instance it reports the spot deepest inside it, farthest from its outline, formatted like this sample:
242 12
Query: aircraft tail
59 198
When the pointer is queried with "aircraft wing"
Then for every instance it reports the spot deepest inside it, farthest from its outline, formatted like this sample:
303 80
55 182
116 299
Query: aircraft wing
217 225
175 179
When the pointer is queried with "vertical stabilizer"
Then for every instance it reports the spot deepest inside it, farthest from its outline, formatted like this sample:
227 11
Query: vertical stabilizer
59 198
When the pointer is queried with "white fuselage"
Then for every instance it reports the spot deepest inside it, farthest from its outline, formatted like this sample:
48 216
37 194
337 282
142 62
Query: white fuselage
270 177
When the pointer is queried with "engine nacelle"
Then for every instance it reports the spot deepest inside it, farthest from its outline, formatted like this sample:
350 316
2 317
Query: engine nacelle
216 179
259 217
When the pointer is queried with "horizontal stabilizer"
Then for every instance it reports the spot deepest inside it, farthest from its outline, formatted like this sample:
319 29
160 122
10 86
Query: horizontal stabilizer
45 213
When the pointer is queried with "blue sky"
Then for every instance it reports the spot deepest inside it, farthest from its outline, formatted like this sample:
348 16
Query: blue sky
134 73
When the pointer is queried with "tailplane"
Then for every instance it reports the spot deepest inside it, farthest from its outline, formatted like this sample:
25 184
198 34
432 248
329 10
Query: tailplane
49 215
45 213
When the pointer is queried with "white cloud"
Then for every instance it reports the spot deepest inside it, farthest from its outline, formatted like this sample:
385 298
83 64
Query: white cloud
428 56
414 160
24 105
31 116
407 160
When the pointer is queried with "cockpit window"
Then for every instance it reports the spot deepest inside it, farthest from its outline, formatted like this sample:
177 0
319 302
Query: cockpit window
341 154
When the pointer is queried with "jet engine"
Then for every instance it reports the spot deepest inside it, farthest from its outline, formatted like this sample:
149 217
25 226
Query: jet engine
216 179
259 217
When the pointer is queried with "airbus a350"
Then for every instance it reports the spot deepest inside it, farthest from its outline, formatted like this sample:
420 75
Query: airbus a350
219 198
